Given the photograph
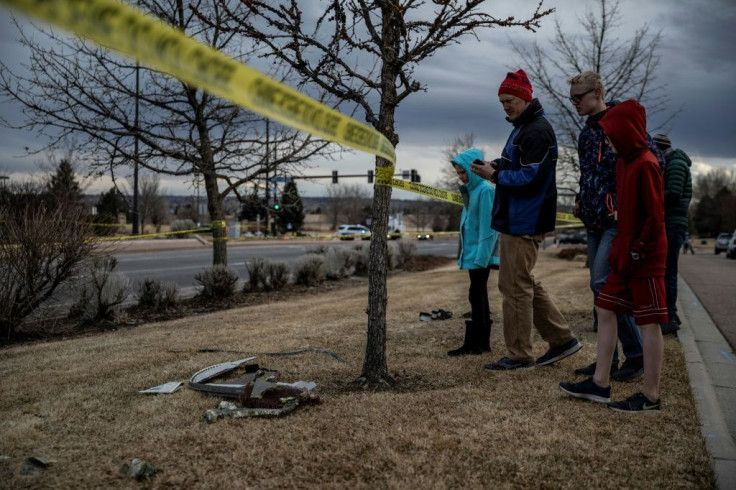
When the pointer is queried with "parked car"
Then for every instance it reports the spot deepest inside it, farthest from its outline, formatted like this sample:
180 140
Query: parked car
572 236
722 241
731 249
350 232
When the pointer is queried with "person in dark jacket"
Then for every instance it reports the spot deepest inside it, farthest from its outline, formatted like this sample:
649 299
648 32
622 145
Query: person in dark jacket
596 208
636 282
478 251
678 190
524 209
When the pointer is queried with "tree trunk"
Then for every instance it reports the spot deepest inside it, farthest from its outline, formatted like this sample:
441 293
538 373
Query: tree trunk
375 368
217 215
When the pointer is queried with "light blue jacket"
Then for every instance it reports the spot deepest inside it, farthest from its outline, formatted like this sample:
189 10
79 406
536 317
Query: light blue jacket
478 241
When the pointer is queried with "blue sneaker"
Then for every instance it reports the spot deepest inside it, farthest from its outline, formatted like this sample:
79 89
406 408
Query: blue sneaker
587 390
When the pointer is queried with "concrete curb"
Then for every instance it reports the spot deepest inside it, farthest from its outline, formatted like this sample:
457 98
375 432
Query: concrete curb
704 347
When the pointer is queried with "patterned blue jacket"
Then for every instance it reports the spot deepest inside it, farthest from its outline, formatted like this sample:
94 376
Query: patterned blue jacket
597 196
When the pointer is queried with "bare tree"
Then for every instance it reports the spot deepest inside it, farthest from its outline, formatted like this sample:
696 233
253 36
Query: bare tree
77 88
710 183
423 212
364 53
347 202
152 203
628 68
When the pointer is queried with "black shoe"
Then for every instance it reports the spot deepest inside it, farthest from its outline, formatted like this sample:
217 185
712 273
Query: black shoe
467 314
636 403
630 369
588 390
669 328
508 364
560 352
589 370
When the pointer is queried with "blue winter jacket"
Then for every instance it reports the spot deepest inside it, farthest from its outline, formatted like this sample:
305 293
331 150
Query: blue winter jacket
526 192
479 242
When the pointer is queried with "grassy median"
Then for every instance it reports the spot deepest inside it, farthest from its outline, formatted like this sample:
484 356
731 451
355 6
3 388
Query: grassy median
445 424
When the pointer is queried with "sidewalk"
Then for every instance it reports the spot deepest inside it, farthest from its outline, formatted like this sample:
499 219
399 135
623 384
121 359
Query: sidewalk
712 371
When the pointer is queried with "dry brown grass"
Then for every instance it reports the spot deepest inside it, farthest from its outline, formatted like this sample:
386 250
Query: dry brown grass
446 424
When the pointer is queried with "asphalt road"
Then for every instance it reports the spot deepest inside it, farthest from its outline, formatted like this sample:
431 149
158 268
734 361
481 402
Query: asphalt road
713 280
180 266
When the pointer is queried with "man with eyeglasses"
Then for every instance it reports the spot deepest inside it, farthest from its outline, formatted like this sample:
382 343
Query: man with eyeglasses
596 207
524 209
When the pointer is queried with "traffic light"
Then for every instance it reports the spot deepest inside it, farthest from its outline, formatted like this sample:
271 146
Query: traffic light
370 176
415 176
276 206
334 176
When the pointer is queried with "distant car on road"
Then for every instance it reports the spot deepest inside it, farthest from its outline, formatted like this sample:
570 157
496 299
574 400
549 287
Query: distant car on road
572 237
350 232
722 241
731 249
424 236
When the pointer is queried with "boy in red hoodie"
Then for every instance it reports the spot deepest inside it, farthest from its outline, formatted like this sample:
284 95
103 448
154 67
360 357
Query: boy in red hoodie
635 285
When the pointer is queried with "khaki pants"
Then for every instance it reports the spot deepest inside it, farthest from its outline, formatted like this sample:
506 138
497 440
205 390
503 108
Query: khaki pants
525 302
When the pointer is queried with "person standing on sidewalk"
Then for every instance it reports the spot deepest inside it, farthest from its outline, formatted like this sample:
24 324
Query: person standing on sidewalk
678 190
638 254
525 208
478 242
596 207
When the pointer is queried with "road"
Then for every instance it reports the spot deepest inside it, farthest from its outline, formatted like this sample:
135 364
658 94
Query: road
713 280
180 266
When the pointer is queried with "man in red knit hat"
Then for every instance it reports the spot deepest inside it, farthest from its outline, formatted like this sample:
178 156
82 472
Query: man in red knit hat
524 209
635 284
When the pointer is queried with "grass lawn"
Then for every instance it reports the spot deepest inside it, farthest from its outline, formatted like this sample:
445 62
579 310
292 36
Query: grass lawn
445 424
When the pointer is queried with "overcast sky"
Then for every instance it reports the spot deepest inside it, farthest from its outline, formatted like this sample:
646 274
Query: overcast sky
698 67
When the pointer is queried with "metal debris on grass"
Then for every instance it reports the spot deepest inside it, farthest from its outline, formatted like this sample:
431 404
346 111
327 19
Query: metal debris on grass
258 393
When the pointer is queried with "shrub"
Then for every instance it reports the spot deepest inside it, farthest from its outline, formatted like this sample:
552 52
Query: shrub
340 263
320 249
101 292
405 251
181 225
155 295
278 275
362 259
257 274
41 249
310 270
218 282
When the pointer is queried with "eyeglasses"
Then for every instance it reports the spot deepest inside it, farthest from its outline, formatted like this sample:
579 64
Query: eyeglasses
575 99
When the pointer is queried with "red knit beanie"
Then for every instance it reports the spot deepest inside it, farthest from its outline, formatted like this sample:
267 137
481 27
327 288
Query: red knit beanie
517 84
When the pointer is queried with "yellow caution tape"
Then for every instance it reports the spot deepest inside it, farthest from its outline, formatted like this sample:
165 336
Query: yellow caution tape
148 40
160 46
219 224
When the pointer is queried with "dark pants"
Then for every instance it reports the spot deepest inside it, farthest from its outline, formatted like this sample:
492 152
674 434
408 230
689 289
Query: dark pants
675 239
478 295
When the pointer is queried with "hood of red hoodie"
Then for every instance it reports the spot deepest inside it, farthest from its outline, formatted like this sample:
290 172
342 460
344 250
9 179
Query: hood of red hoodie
626 127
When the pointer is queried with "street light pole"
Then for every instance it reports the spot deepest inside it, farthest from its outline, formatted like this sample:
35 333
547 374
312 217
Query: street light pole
136 224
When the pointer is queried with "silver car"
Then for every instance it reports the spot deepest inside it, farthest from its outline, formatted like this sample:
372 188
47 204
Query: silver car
722 241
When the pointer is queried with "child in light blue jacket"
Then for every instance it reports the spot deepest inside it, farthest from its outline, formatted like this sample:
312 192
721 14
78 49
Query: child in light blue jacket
478 251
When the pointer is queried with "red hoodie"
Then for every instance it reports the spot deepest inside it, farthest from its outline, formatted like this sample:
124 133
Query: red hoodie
639 195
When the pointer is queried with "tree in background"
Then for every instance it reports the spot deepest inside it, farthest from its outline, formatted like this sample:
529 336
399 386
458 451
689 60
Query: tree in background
346 204
109 207
714 205
291 216
152 204
364 53
628 68
252 207
76 88
62 186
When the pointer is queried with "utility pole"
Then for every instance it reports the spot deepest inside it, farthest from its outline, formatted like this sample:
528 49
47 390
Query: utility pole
136 218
